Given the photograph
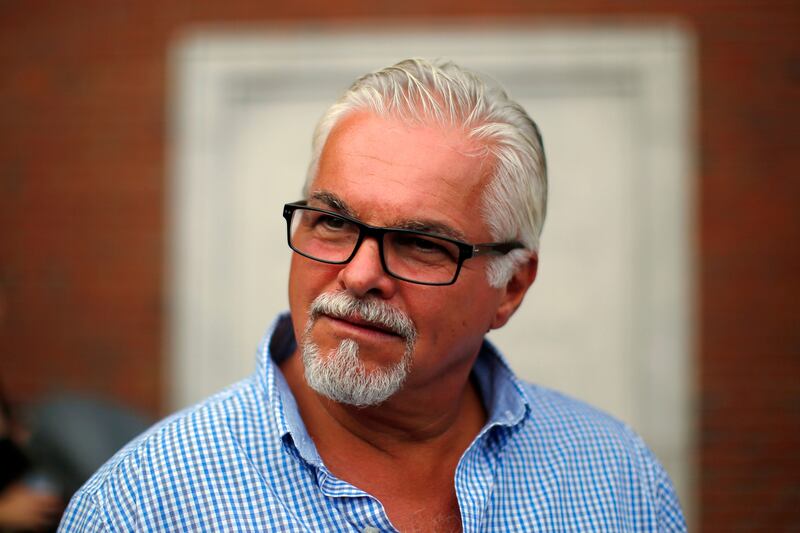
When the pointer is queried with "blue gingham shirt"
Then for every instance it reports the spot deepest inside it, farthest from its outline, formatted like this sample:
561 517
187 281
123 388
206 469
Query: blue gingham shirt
243 461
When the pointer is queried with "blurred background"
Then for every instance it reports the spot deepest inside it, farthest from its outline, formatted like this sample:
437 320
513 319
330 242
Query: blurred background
145 146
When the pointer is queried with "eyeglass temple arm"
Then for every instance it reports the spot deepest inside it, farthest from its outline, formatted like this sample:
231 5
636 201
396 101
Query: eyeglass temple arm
496 248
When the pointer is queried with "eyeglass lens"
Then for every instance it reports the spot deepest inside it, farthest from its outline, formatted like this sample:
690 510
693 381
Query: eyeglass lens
409 255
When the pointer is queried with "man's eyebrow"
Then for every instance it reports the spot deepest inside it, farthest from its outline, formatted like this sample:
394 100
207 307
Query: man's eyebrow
333 202
428 226
431 226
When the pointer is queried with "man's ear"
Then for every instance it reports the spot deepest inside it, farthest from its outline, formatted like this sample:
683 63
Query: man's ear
515 290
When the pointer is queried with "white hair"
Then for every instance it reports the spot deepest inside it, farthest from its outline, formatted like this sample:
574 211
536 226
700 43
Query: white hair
418 91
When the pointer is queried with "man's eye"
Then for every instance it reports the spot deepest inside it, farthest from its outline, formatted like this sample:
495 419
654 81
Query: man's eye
330 222
421 245
426 245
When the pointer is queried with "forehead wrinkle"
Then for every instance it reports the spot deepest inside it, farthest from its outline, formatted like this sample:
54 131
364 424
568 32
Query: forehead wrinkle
387 162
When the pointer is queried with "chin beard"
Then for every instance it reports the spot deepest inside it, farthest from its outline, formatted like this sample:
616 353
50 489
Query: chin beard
341 375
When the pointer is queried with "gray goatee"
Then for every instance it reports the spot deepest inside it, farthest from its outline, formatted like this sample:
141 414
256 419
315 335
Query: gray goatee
342 376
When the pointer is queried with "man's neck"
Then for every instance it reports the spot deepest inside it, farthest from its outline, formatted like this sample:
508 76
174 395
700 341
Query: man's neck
403 452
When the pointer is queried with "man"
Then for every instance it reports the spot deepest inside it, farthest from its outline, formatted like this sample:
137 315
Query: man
377 404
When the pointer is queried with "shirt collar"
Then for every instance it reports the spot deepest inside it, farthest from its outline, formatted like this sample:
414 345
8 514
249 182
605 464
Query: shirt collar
503 394
277 345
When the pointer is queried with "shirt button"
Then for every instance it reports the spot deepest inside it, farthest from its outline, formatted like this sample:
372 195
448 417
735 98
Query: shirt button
370 529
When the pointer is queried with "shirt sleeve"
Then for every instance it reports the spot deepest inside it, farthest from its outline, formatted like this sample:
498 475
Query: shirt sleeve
82 515
666 508
670 516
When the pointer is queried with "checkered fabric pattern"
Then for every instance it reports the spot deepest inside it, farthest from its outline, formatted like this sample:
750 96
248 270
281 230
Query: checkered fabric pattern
243 461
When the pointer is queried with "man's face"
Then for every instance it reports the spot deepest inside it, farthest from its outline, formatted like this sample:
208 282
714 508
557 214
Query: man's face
389 174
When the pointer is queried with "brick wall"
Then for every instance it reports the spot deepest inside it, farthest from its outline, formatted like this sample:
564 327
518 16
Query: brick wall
82 181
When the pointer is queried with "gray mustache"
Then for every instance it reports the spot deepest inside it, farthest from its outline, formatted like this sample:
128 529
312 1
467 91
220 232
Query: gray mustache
343 305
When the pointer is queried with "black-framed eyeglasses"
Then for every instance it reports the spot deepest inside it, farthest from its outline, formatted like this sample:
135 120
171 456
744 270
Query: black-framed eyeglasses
409 255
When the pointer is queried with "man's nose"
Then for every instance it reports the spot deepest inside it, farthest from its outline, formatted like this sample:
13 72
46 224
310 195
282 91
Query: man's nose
364 274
